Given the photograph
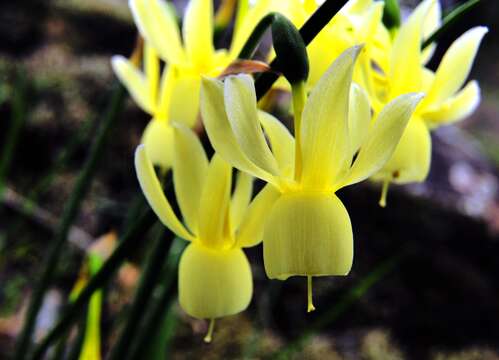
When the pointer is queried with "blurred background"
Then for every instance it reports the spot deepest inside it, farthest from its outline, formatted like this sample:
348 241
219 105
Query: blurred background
424 284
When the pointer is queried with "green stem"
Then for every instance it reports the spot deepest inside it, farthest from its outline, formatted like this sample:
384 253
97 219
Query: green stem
18 120
299 94
126 246
319 19
253 41
75 351
150 277
450 20
69 214
159 305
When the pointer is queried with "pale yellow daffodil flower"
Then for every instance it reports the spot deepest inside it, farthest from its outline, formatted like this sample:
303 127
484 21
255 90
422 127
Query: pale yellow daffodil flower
174 95
401 69
152 91
215 278
192 52
307 229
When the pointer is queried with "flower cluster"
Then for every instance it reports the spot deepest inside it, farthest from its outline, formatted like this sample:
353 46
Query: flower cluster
364 103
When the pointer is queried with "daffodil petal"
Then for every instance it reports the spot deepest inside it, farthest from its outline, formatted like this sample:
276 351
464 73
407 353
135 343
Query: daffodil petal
134 81
156 22
240 105
158 139
357 6
456 108
428 78
190 166
325 141
166 87
220 132
455 66
250 232
431 23
154 194
359 117
213 208
383 137
184 101
197 30
410 162
281 141
240 199
151 67
405 70
380 48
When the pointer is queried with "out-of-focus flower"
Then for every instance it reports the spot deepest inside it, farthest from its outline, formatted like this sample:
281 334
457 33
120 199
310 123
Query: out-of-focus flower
307 230
214 274
97 255
356 23
153 92
174 96
400 68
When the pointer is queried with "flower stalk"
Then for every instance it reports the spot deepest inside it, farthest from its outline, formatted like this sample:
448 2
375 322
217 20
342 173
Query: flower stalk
449 21
299 96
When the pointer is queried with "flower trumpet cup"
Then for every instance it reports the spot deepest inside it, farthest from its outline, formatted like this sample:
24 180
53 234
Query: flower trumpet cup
214 274
308 230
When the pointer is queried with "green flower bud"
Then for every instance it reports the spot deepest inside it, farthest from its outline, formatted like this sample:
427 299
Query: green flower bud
391 14
292 59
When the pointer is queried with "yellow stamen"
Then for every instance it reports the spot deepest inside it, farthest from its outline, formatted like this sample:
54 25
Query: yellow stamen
310 306
208 337
384 193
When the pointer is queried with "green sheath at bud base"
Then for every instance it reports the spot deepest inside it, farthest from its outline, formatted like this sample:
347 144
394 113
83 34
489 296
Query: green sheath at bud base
292 59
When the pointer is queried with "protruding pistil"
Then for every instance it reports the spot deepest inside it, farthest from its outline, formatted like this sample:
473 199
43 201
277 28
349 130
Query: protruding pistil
384 193
209 334
310 305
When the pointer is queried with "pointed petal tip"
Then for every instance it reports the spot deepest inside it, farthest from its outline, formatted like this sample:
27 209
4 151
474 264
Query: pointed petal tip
415 97
354 51
477 33
481 30
117 63
117 58
141 148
